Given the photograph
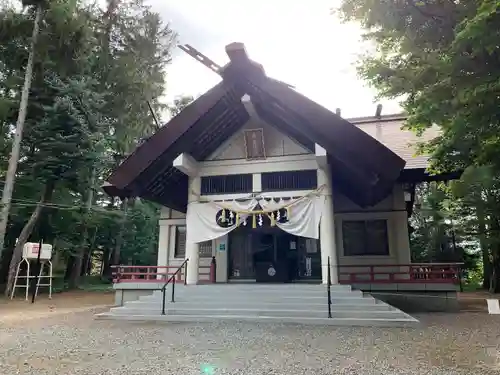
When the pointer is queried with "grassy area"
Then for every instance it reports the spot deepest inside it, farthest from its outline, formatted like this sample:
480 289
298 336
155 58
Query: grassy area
87 283
472 287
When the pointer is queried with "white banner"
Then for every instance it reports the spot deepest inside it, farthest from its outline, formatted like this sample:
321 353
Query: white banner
205 221
304 215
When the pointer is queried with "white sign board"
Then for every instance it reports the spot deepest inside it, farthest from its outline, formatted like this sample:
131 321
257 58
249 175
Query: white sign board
493 306
30 251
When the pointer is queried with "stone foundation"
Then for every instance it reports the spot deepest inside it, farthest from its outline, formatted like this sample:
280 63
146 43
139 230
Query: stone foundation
415 302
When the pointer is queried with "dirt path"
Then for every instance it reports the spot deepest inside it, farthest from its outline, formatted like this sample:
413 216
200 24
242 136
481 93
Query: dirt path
475 301
62 303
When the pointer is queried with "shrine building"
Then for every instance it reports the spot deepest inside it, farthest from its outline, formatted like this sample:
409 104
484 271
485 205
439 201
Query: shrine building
273 187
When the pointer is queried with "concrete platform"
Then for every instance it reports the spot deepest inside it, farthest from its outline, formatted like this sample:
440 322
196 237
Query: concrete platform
299 304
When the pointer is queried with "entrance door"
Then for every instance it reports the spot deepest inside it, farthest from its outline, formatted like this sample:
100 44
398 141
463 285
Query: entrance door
309 259
286 253
253 251
240 255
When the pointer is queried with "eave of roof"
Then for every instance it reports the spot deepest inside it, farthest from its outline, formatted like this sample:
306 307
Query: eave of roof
151 149
363 166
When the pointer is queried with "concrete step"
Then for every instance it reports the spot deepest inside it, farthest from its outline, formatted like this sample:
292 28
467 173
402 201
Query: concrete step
288 303
319 299
354 305
225 291
254 285
323 313
259 288
361 322
264 298
253 293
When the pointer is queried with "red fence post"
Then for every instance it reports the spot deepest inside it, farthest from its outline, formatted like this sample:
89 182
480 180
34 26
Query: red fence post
213 270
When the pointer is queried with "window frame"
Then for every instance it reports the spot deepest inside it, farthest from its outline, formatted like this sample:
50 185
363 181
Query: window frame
366 238
177 254
208 244
176 244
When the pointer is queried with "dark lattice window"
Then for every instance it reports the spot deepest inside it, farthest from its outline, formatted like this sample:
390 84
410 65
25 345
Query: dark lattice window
290 180
230 184
180 242
206 249
365 237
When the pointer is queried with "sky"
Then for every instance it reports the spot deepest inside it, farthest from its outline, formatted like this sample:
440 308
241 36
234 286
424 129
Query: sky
297 41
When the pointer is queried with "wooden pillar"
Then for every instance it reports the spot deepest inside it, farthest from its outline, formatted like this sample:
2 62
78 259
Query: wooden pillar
327 230
192 249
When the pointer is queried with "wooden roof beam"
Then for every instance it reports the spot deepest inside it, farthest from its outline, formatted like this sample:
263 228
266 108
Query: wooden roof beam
186 164
321 156
249 107
238 55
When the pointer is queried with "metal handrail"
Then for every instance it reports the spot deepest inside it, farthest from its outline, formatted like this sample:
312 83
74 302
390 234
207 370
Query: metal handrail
172 278
329 284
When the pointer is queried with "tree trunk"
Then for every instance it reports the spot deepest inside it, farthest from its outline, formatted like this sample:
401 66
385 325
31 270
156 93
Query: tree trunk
69 267
494 286
87 266
26 233
106 264
115 259
16 143
483 243
115 254
78 263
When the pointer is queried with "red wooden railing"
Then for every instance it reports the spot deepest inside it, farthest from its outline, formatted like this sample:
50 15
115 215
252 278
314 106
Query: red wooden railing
415 273
156 274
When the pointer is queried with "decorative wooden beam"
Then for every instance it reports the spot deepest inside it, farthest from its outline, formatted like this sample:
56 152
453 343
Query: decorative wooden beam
237 53
249 107
237 50
186 164
321 156
197 55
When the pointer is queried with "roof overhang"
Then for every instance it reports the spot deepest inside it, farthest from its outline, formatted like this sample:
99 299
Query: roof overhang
362 168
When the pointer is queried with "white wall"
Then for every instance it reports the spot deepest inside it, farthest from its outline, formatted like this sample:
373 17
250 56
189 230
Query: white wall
393 210
169 220
284 154
275 143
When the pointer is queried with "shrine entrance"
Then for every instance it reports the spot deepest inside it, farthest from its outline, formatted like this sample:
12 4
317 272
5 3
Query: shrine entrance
268 254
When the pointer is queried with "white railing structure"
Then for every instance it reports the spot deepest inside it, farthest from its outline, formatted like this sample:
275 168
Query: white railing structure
30 254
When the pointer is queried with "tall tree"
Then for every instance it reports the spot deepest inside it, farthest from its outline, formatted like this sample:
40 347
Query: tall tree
179 104
134 49
21 117
442 59
92 74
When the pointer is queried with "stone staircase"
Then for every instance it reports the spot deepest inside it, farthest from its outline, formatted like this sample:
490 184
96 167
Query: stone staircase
278 303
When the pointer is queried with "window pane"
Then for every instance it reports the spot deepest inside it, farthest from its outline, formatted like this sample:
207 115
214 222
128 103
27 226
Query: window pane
353 233
376 236
365 237
180 242
206 249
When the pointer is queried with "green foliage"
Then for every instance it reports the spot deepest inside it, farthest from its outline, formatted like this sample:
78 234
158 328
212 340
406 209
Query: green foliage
179 104
442 59
440 229
94 71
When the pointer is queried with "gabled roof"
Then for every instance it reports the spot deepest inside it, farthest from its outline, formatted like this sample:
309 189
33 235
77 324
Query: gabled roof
362 168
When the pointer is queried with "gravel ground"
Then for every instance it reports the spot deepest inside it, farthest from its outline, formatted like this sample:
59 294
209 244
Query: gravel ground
77 344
